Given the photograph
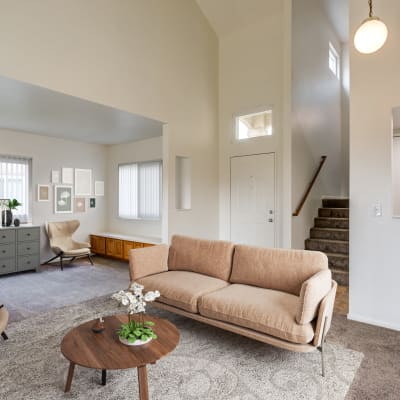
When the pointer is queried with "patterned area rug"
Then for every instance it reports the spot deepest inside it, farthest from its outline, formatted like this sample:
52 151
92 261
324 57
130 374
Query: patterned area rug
207 364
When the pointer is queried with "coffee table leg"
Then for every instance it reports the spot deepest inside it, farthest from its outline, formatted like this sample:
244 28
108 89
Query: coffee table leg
103 377
69 378
143 385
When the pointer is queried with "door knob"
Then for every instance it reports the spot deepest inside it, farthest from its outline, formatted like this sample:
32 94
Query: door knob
270 220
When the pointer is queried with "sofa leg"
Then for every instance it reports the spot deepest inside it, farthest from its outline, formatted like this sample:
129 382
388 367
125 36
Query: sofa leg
61 263
322 347
90 259
4 336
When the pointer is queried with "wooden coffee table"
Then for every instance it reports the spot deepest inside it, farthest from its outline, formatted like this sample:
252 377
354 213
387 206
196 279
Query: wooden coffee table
81 346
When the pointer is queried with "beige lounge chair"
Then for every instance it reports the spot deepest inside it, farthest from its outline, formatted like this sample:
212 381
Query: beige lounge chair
61 242
3 321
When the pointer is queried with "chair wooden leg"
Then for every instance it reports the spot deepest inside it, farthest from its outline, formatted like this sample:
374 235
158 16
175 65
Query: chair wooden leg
4 336
90 259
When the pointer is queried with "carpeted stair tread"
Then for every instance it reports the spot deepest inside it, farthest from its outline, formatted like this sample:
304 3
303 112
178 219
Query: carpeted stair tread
328 245
338 261
327 222
341 277
336 203
329 233
334 212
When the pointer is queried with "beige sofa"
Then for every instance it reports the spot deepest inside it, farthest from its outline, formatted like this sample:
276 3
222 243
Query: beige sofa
281 297
3 321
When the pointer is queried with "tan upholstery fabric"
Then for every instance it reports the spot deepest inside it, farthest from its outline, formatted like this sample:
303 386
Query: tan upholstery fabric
208 257
312 292
264 310
60 237
148 261
181 289
277 269
3 319
325 314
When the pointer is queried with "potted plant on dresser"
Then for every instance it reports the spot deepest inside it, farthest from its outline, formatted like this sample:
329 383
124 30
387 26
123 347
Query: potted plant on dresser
136 331
6 215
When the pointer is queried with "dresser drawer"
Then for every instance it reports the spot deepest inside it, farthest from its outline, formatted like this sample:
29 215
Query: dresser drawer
28 262
7 266
7 236
28 248
7 250
26 234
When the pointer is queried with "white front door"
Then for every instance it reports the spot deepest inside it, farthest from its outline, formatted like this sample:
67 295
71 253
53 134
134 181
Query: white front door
253 200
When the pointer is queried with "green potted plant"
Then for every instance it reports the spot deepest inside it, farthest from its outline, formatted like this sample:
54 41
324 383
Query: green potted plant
6 215
136 332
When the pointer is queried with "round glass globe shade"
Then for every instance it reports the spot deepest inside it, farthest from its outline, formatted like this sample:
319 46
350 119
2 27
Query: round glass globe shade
370 36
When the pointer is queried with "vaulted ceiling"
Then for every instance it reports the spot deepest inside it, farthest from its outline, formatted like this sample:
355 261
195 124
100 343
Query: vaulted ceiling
225 16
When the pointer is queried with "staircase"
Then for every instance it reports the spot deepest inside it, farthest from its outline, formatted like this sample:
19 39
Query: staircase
330 235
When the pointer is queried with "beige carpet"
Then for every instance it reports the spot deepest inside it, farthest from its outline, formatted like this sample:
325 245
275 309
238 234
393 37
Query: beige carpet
208 364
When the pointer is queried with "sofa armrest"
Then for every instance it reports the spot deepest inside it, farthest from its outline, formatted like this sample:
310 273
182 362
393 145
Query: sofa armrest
313 290
325 315
148 261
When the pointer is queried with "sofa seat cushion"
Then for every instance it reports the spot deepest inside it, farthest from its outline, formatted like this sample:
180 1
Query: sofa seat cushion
264 310
181 289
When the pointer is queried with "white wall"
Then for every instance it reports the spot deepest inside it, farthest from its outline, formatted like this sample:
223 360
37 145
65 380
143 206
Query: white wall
143 150
51 153
374 241
396 176
252 62
316 114
155 58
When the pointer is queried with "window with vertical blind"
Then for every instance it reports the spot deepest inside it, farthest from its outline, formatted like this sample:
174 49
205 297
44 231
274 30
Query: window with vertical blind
140 190
14 183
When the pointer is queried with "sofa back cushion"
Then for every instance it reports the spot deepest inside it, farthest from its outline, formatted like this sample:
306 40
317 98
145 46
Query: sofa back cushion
278 269
208 257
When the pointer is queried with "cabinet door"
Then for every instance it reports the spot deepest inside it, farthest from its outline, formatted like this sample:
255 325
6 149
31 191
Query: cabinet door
114 248
147 244
98 244
128 246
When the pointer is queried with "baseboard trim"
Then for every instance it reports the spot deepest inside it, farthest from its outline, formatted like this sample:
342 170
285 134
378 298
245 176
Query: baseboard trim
370 321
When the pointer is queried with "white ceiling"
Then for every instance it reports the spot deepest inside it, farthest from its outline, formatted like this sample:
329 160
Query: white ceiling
225 16
338 13
34 109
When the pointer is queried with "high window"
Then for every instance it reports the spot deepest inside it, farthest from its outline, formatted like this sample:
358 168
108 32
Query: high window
15 184
140 190
254 125
334 61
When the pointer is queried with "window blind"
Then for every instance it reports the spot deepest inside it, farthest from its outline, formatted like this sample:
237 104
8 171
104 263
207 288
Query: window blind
14 183
140 190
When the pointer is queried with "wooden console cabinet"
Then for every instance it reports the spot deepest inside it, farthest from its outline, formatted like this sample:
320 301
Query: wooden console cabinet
116 246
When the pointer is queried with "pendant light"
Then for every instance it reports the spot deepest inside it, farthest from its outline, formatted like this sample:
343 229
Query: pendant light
371 35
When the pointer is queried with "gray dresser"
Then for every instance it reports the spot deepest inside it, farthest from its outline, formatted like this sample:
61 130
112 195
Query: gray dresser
19 249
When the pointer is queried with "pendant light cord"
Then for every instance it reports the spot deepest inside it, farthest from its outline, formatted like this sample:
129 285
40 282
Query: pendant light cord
370 8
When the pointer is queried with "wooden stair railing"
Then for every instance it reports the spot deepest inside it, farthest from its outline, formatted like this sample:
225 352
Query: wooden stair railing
310 186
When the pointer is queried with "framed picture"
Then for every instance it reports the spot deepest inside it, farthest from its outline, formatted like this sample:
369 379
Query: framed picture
92 203
80 204
99 188
67 176
83 182
62 199
43 192
55 176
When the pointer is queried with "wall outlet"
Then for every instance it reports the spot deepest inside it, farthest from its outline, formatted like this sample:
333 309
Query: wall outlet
378 210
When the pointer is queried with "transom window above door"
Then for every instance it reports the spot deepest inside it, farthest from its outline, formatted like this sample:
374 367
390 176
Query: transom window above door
254 125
